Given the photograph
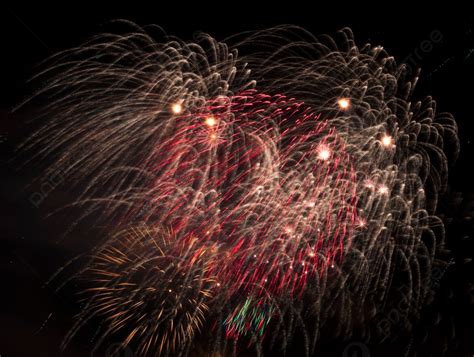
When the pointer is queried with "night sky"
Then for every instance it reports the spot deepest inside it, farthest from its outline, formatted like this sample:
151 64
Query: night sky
34 318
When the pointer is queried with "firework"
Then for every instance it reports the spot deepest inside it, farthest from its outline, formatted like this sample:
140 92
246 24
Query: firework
141 283
251 192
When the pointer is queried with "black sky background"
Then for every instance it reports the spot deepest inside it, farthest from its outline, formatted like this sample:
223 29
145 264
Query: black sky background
34 319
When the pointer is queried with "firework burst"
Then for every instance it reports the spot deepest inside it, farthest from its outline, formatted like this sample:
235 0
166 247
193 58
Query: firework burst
143 284
251 192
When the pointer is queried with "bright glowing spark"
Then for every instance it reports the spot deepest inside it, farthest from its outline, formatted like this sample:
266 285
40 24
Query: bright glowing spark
210 121
387 141
383 189
344 103
324 153
177 108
